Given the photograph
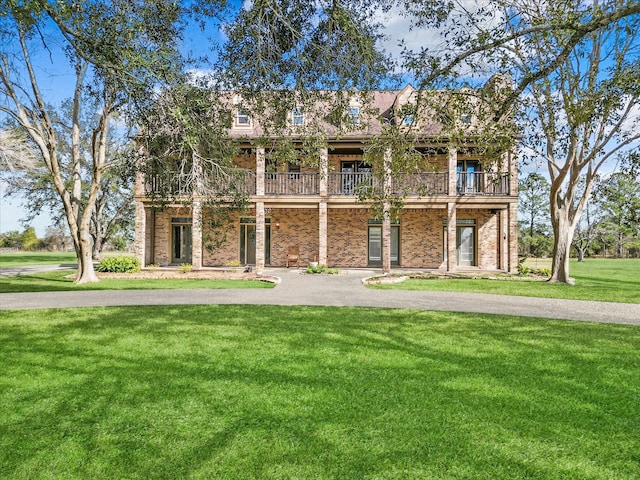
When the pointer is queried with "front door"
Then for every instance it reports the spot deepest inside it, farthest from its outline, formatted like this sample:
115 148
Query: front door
375 245
248 242
181 240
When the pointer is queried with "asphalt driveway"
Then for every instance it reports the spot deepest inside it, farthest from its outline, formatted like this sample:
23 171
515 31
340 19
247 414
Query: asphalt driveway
345 289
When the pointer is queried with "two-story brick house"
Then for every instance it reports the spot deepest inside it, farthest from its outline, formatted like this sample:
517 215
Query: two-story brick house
470 208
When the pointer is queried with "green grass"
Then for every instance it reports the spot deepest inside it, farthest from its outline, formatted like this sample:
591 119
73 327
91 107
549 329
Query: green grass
266 392
57 281
612 280
21 259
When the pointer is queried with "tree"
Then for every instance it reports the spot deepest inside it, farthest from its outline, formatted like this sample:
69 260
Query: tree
16 153
118 52
533 197
575 70
618 199
114 207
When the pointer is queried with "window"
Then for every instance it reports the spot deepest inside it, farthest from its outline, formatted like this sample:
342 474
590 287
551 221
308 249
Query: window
297 116
408 120
354 115
465 118
469 177
242 118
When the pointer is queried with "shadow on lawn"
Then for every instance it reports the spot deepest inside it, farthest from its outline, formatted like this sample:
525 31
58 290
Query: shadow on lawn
244 392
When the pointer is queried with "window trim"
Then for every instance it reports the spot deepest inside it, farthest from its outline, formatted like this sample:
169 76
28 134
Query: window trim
240 113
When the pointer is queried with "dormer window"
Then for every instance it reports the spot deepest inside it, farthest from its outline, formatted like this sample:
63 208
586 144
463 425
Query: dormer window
242 118
297 116
354 115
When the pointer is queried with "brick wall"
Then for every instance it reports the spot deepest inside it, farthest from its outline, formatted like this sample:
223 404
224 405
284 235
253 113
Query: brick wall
298 227
421 238
347 237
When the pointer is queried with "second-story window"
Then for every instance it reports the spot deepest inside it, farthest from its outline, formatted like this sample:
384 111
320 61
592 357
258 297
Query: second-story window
297 116
354 115
242 118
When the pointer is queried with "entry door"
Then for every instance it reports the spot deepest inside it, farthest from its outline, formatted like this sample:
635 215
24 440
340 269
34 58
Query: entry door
248 244
181 243
375 245
465 246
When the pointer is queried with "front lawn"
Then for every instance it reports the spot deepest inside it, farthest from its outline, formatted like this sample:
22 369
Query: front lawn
609 280
21 259
265 392
60 281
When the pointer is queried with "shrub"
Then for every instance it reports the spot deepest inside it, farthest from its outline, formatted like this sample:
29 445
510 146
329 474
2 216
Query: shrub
321 269
522 268
186 267
545 272
234 263
120 264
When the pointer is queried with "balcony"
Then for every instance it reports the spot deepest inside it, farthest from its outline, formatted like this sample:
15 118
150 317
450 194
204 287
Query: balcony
291 183
482 183
421 184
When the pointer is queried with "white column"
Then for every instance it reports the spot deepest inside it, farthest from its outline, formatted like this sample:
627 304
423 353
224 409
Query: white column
322 233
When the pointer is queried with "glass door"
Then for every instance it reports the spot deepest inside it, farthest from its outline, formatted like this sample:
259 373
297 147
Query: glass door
375 245
248 242
465 246
181 240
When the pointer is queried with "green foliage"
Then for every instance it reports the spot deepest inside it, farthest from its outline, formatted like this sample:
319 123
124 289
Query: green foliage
545 272
522 268
323 269
186 267
29 239
119 264
10 239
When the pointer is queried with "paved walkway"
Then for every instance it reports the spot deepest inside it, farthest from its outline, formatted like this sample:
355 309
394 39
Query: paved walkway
345 289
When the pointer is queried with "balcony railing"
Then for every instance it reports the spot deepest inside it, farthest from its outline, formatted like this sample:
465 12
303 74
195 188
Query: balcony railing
234 181
422 184
338 183
291 183
482 183
343 183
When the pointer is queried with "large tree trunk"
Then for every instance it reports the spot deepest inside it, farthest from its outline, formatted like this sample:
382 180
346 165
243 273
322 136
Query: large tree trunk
563 229
86 272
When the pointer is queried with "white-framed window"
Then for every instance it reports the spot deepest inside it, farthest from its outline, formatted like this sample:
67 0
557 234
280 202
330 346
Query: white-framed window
354 115
242 118
297 116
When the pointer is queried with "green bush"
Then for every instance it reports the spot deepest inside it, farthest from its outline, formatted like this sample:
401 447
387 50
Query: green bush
545 272
522 268
321 269
186 267
120 264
